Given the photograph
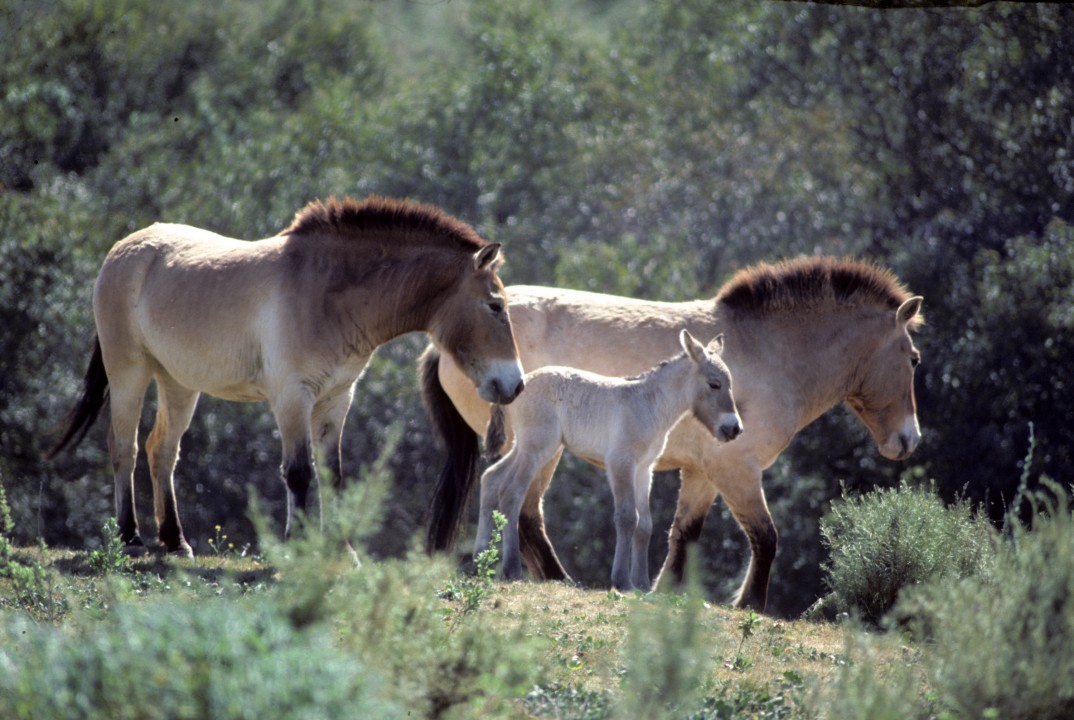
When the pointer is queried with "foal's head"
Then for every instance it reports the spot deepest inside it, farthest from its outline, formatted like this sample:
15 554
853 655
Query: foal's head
714 405
884 395
473 326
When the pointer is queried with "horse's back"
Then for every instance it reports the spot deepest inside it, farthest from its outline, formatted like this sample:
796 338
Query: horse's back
182 298
606 334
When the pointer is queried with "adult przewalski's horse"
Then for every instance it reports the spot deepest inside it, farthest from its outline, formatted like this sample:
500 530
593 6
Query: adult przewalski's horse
621 424
292 319
802 336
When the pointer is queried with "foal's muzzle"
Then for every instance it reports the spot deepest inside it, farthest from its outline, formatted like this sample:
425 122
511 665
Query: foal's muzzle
730 428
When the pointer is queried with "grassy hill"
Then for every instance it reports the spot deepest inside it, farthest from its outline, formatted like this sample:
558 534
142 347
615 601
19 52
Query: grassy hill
417 638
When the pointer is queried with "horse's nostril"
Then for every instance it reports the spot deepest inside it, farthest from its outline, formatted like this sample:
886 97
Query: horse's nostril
519 388
730 432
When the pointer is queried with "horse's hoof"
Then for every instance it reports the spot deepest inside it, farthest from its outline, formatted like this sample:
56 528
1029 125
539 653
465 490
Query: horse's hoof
135 549
184 551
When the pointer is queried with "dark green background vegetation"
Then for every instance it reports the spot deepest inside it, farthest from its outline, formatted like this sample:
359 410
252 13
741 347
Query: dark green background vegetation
647 149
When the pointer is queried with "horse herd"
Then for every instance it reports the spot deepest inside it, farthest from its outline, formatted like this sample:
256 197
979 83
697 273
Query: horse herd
294 319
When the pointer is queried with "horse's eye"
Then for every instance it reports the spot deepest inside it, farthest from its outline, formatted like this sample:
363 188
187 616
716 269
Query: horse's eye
715 385
496 306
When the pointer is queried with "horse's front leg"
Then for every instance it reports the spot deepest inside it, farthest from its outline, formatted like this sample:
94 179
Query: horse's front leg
639 556
696 495
621 479
293 416
744 495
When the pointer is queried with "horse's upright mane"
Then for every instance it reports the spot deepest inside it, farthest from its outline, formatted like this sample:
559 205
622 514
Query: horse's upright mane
811 282
349 217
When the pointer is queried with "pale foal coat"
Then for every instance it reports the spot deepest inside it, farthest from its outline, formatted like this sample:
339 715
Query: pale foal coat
619 423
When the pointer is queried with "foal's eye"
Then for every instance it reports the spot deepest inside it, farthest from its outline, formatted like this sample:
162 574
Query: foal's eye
715 384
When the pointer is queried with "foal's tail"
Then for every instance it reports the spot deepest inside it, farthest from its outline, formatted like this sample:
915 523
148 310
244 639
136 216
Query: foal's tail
457 479
94 395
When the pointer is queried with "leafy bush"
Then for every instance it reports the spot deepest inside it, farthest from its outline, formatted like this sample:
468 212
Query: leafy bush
1000 642
168 659
891 539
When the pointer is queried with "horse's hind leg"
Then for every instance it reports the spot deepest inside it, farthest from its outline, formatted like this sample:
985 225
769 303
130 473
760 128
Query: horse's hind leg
537 551
175 408
126 390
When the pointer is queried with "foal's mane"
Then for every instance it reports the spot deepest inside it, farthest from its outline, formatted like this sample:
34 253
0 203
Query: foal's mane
352 218
811 282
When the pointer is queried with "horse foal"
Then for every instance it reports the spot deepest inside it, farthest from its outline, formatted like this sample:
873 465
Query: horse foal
619 423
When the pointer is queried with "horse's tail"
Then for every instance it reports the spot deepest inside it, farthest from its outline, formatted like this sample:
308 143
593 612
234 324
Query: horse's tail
457 479
94 395
496 434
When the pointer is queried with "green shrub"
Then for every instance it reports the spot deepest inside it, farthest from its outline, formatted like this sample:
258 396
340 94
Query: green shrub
1001 644
167 659
891 539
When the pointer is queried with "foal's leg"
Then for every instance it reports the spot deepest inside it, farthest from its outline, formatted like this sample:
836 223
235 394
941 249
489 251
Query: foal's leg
621 478
293 410
175 408
126 390
537 550
639 555
524 468
492 485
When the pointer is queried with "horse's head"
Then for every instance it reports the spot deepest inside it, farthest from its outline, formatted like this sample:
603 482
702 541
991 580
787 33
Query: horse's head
714 405
883 394
473 326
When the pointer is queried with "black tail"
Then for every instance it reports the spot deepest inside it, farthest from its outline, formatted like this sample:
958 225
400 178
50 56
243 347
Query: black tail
457 479
94 395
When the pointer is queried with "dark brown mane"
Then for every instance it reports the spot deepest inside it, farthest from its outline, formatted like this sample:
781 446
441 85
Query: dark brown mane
349 217
811 282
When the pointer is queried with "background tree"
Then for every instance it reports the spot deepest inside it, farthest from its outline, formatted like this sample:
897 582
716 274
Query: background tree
647 149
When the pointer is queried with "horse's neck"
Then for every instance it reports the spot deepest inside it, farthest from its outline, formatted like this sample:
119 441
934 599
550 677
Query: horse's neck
403 301
820 356
668 389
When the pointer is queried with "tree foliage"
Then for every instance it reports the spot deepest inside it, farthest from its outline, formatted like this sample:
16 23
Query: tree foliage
647 150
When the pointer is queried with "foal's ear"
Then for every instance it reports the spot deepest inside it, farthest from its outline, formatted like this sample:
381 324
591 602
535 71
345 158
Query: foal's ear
487 255
692 347
908 311
716 344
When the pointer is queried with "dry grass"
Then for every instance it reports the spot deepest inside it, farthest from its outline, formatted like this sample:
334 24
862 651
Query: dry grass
583 632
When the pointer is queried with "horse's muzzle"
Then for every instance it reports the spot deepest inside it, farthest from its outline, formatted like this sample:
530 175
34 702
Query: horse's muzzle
504 386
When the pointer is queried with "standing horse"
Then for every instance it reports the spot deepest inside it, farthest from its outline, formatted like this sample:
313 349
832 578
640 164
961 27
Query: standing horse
802 336
620 423
292 319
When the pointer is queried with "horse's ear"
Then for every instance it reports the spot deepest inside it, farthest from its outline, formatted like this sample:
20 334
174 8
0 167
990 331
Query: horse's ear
692 347
487 255
716 344
908 311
